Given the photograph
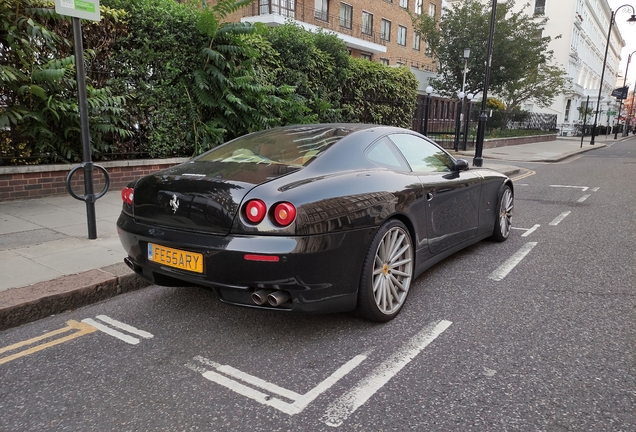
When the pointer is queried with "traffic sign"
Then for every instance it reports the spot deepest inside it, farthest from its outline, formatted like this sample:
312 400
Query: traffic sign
85 9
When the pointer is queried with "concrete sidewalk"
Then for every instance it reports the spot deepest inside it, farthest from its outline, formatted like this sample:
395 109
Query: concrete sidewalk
546 151
48 264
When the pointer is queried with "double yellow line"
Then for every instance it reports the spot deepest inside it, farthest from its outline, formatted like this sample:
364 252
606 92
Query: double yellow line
524 175
81 330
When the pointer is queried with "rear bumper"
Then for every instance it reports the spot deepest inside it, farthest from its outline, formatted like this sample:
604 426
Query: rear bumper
321 273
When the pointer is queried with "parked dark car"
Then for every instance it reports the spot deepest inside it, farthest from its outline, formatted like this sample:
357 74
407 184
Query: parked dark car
312 218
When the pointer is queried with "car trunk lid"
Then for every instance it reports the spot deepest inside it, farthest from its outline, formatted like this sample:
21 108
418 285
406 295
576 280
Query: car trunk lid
200 196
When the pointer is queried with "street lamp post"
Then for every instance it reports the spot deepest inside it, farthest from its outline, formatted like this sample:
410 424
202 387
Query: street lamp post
458 120
458 123
481 125
427 106
620 104
469 97
631 21
584 119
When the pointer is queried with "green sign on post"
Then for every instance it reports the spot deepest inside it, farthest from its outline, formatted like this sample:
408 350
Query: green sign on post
88 10
611 113
85 9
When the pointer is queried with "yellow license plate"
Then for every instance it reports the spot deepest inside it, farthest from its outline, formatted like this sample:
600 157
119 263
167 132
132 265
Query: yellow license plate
184 260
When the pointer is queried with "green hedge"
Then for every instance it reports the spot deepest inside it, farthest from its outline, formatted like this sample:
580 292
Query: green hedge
169 79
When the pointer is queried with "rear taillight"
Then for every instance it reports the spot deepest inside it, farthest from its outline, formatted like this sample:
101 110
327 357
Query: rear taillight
127 195
255 210
284 213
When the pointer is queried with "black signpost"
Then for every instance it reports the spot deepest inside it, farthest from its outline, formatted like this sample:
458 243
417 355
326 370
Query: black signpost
621 94
86 9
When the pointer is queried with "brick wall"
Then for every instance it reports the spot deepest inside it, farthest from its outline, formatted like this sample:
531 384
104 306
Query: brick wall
503 142
37 181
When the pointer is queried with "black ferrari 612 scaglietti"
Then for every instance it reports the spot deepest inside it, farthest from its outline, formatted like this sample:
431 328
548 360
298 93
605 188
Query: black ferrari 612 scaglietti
312 218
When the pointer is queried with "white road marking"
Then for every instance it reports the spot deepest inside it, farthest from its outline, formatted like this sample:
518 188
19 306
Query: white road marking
119 335
299 403
559 218
583 198
583 188
528 231
339 410
503 270
126 327
595 189
249 379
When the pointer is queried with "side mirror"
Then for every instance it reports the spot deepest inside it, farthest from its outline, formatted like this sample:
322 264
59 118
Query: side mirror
461 165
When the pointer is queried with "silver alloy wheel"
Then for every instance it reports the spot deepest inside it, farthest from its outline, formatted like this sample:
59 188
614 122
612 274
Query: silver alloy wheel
505 212
392 270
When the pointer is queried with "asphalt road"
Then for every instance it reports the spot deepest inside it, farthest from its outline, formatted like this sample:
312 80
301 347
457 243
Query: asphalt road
543 342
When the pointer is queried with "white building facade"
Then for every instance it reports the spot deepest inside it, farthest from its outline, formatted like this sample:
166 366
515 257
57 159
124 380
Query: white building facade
579 30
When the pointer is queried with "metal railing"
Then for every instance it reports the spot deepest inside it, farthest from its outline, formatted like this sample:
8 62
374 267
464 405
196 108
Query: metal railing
442 121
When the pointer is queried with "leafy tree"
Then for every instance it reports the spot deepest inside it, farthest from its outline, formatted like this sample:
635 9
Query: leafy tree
494 103
540 86
233 97
521 62
585 113
39 114
315 64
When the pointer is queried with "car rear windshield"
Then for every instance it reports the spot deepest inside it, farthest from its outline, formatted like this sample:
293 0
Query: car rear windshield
292 146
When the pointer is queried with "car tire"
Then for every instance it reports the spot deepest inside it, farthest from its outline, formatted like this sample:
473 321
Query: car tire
387 273
503 220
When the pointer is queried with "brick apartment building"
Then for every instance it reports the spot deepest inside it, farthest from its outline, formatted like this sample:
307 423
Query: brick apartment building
378 30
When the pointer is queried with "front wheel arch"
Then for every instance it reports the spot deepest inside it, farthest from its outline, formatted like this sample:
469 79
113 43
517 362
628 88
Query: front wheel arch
387 272
503 218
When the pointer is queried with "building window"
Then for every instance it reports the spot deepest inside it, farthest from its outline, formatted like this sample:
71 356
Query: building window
539 7
321 10
278 7
365 56
384 61
386 30
418 7
367 23
401 40
404 4
416 41
346 13
432 9
567 110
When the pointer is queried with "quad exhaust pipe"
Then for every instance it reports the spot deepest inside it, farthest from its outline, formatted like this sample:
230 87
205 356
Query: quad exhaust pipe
260 297
277 298
273 298
134 267
129 263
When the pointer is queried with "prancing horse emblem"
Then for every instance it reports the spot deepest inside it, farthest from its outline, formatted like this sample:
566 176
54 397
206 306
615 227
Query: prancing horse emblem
174 203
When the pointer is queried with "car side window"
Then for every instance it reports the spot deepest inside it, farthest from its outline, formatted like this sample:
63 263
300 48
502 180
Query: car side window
383 152
422 156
